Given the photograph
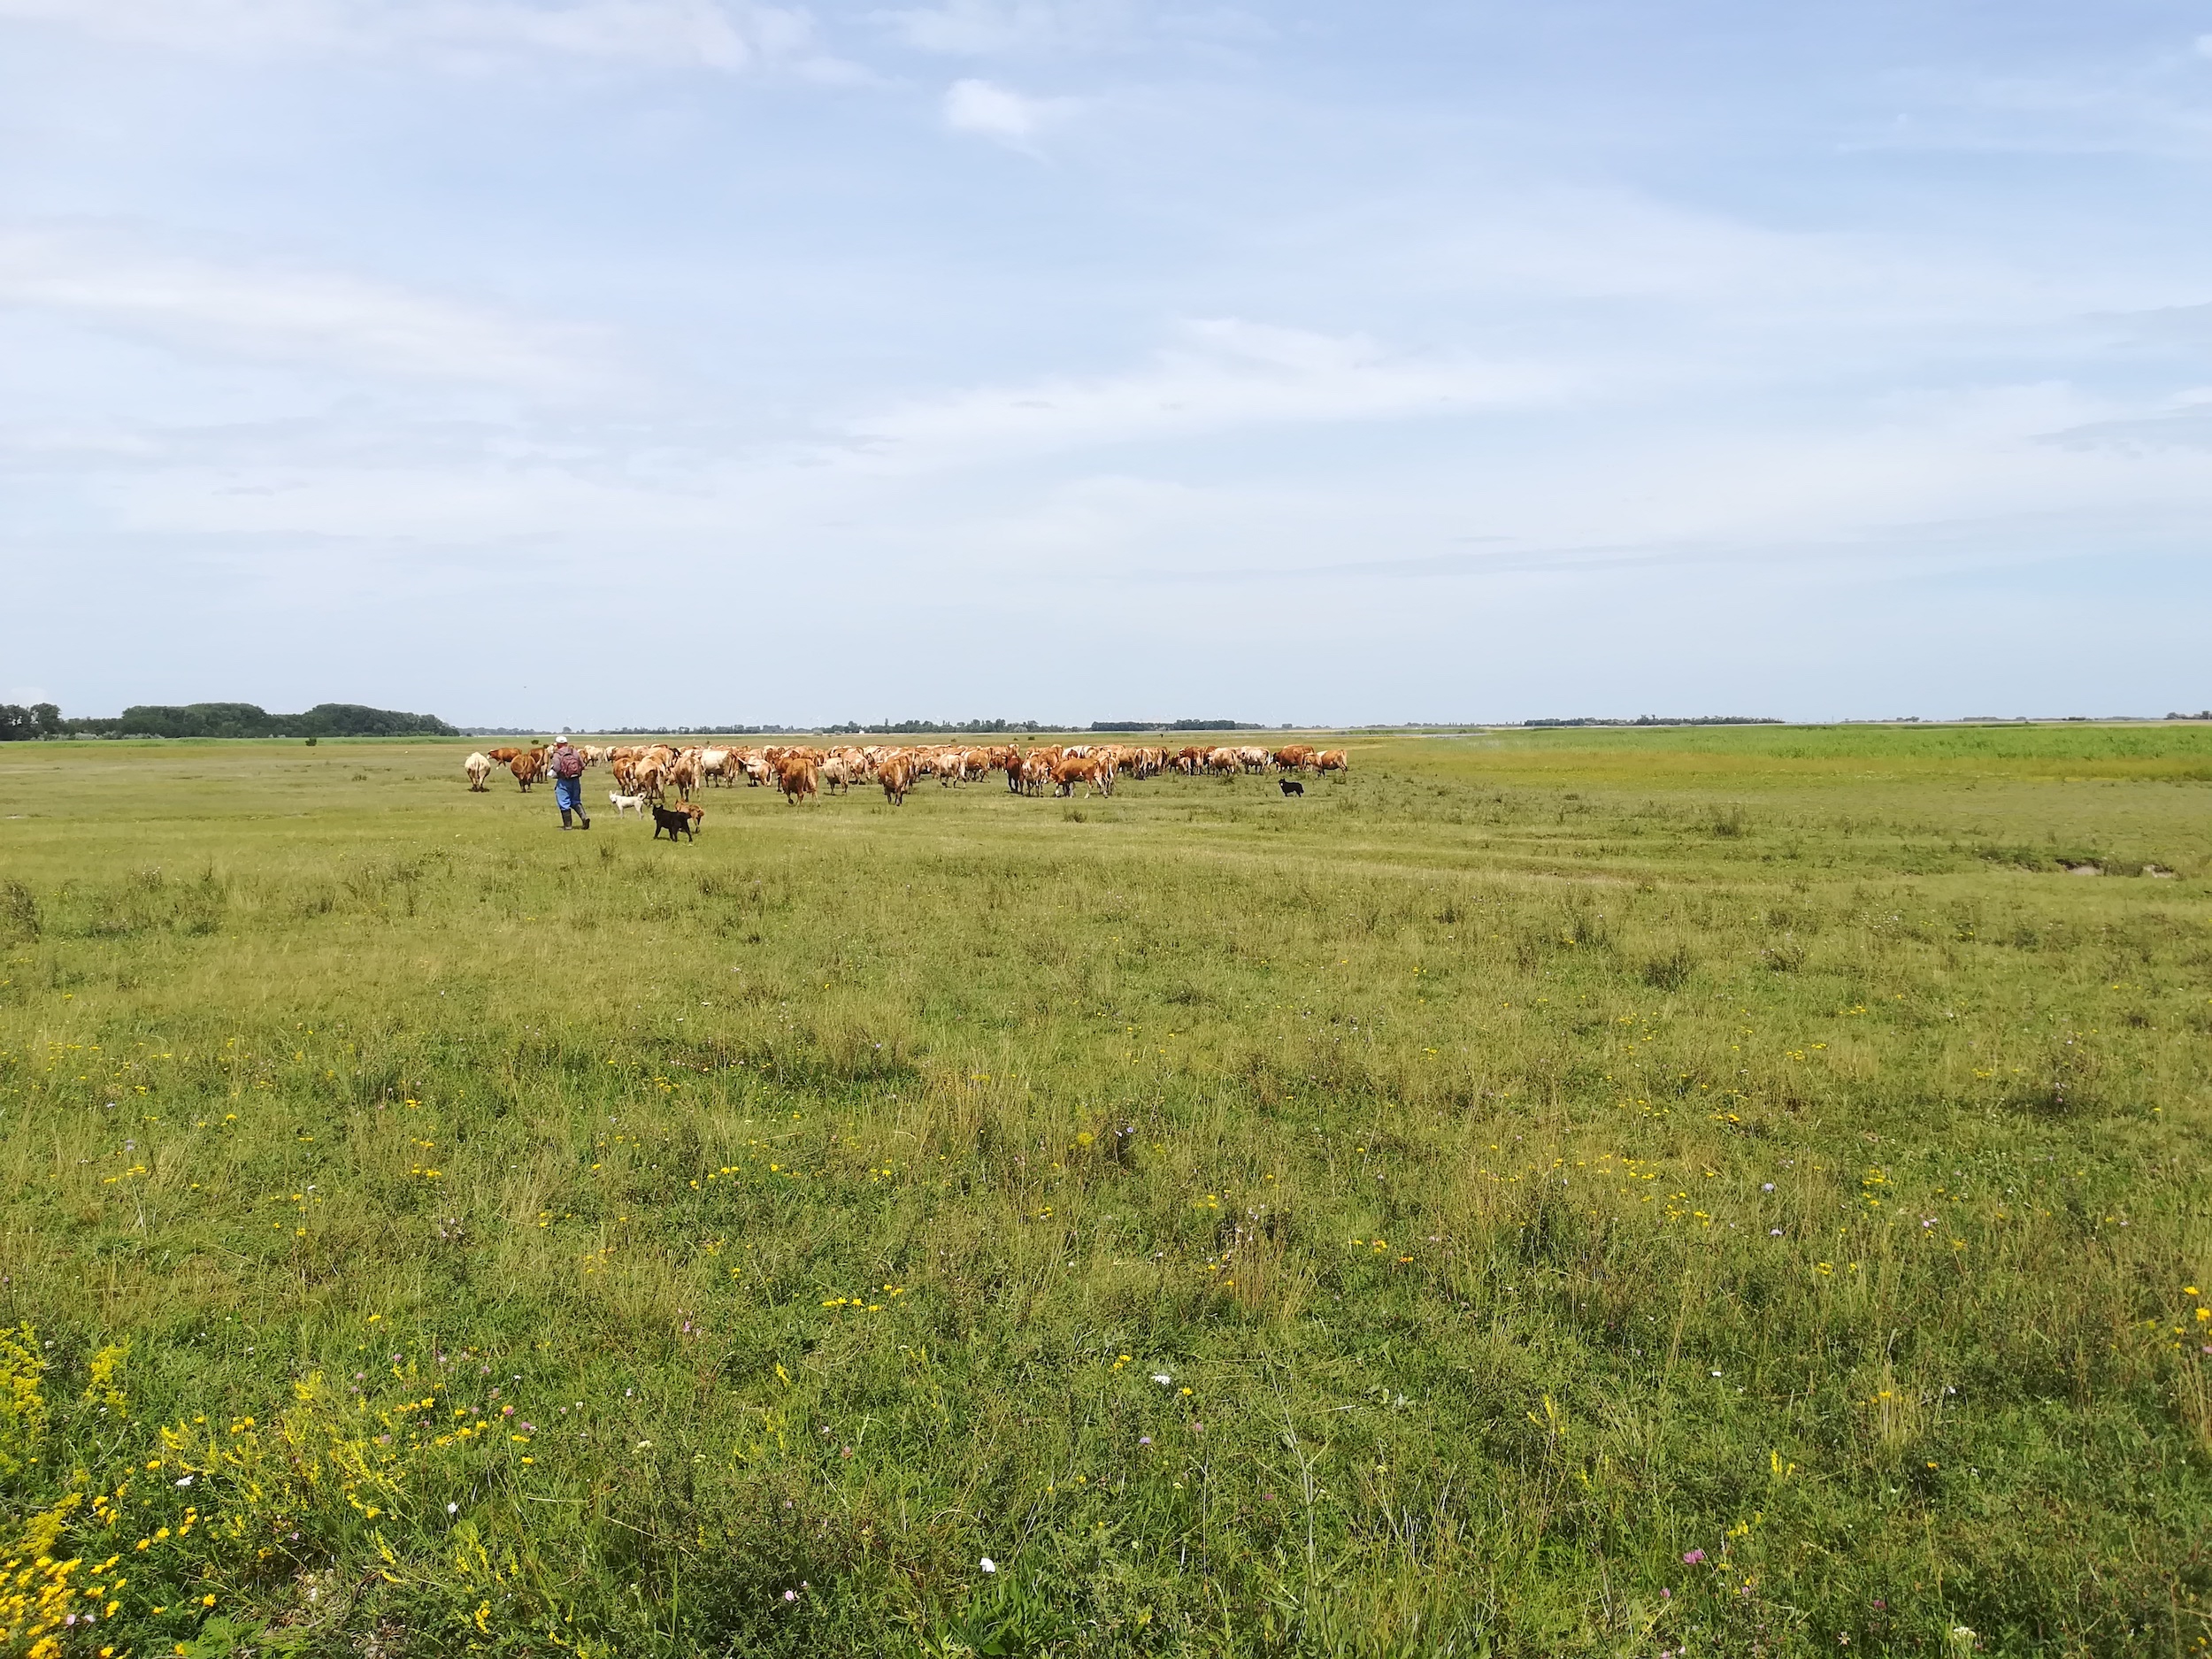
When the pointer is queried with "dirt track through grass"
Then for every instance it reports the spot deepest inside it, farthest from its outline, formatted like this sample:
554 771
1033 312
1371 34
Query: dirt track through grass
1585 1192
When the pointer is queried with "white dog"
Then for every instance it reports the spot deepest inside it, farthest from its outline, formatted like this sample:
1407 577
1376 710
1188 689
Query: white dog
627 803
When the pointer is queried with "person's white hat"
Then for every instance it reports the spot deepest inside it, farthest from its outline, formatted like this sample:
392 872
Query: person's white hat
562 738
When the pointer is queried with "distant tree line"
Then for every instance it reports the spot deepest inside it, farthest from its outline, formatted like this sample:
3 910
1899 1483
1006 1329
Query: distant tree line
1654 720
849 728
730 729
852 727
19 725
1175 725
219 719
907 728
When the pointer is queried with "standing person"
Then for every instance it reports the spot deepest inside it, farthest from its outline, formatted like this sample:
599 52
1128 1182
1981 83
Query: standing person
568 781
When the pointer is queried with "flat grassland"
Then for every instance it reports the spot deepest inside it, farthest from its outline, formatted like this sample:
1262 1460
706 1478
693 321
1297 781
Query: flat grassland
1716 1192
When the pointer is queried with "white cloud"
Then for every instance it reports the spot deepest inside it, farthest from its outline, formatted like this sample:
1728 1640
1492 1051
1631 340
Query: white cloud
270 313
979 28
993 111
1223 373
2131 103
1596 244
667 34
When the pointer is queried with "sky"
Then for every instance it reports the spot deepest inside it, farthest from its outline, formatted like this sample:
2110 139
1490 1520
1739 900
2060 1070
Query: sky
625 362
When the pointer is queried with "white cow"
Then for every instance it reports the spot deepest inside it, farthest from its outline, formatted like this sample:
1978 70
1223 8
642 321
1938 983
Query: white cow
478 767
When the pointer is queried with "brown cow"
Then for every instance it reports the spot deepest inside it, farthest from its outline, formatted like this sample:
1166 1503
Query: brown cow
896 776
1330 760
795 776
528 766
684 772
1092 774
502 757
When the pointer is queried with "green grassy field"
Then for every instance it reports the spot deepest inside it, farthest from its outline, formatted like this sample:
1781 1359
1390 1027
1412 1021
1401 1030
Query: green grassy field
1626 1192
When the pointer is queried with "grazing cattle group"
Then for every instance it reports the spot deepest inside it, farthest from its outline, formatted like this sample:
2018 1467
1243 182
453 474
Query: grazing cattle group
646 775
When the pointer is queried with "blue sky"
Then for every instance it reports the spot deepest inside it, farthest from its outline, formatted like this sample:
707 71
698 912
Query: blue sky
617 361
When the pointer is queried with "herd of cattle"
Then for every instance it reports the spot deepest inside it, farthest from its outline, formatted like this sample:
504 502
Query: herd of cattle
650 771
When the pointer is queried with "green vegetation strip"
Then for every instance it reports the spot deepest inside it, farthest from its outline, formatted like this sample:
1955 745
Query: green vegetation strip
1731 1190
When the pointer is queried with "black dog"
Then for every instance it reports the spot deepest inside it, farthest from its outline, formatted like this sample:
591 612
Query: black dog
1291 786
674 819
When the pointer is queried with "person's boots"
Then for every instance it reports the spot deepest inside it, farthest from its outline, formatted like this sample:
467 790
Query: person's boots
565 817
585 816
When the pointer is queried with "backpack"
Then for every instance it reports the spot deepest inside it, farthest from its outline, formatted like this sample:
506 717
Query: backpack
568 763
